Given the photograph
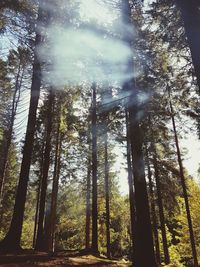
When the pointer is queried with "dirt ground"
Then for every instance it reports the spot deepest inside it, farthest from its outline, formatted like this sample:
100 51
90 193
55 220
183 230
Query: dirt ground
60 259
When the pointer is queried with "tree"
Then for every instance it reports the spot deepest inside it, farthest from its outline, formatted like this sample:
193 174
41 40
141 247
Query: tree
130 184
94 173
40 242
183 183
18 61
54 195
144 240
153 210
161 210
11 242
191 19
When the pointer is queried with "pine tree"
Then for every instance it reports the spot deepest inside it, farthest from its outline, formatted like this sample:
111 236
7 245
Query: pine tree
12 240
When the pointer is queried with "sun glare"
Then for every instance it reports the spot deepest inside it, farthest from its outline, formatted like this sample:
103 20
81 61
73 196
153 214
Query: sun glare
92 10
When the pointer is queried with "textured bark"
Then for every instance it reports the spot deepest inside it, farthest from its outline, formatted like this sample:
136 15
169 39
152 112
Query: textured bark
190 10
40 242
183 183
11 242
94 174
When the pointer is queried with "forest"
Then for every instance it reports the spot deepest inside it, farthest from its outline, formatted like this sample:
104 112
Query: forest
100 133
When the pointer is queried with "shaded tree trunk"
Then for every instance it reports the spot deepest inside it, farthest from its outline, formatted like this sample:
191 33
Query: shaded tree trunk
183 183
40 242
38 197
11 242
107 193
161 210
153 211
130 184
88 206
191 17
144 248
54 196
94 174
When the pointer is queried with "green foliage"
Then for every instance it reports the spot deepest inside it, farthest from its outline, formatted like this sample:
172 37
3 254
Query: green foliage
9 190
70 218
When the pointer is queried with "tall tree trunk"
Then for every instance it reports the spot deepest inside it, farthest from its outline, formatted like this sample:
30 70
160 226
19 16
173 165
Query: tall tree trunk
36 212
11 242
153 210
107 193
190 14
40 242
161 210
144 247
183 183
54 195
15 101
130 184
94 174
88 206
38 196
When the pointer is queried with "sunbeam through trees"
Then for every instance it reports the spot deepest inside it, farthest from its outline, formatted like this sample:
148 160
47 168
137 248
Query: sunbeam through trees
97 99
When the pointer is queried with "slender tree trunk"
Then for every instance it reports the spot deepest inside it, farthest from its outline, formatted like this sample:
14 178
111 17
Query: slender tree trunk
94 174
36 213
144 247
88 206
107 193
11 242
38 197
161 210
15 101
54 196
183 183
130 184
190 14
40 242
153 211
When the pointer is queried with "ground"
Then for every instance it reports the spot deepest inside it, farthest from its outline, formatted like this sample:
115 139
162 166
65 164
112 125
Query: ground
59 260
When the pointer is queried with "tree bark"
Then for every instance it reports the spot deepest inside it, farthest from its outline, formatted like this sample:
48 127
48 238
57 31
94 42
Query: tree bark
11 242
94 174
40 242
183 183
191 17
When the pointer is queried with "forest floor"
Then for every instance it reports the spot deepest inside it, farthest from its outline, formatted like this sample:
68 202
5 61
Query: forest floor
59 259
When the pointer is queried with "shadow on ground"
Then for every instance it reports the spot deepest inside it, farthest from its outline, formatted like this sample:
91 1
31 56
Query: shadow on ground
66 258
